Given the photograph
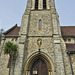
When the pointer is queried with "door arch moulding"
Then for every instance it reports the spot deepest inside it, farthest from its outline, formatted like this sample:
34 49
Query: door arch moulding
34 57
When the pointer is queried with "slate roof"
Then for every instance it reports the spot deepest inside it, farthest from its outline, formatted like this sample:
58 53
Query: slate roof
14 31
70 46
68 30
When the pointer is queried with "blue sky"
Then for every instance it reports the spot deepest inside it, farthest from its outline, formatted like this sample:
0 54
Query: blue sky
11 12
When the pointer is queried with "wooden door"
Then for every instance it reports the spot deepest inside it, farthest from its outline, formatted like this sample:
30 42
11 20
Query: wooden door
39 68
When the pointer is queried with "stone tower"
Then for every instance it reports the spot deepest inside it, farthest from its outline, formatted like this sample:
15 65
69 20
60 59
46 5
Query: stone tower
41 48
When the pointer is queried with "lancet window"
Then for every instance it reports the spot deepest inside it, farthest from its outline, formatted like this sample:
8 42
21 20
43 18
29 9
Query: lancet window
40 24
44 4
36 4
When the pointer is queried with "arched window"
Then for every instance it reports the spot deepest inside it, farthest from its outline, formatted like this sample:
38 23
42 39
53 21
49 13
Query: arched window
40 24
44 4
36 4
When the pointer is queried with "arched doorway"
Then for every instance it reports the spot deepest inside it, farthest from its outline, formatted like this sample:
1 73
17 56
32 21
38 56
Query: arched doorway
37 63
39 67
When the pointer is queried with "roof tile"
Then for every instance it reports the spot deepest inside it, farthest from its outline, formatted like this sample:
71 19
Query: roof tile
68 30
70 46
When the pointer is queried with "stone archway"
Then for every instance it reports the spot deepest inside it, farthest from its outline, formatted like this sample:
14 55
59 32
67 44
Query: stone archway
35 57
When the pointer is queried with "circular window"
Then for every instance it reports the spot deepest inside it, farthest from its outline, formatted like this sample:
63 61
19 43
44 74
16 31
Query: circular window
65 40
69 40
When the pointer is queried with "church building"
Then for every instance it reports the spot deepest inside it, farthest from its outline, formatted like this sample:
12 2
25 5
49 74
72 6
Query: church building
44 48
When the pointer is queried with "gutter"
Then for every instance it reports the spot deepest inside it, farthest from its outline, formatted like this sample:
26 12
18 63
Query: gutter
69 52
68 35
12 36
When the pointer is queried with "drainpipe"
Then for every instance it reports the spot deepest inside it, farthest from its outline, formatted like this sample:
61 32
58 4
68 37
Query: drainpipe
70 62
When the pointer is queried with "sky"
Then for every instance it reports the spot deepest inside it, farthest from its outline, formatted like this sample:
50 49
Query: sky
11 12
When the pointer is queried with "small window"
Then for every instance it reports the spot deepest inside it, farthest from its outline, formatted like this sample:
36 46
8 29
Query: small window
40 24
44 4
65 40
69 40
12 39
36 4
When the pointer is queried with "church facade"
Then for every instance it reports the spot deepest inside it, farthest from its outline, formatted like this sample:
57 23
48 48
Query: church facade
42 50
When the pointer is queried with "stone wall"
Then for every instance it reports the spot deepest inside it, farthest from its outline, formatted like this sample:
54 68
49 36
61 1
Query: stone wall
3 64
4 58
46 27
46 47
73 62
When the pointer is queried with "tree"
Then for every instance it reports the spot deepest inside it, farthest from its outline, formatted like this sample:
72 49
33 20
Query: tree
11 49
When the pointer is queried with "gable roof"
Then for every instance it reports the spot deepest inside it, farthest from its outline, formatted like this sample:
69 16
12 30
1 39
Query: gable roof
68 30
14 31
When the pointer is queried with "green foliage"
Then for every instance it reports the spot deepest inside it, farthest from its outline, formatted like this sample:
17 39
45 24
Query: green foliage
10 48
